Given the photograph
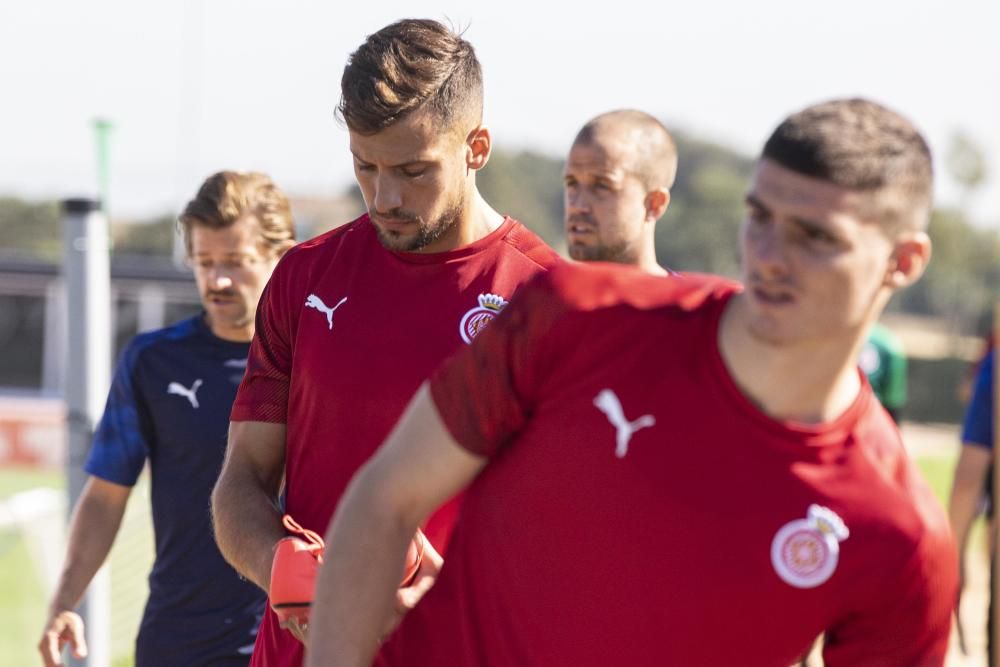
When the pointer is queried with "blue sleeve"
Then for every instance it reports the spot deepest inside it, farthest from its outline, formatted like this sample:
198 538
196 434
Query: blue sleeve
120 447
977 429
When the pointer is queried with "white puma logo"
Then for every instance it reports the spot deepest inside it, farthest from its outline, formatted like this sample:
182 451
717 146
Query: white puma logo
607 402
189 394
313 301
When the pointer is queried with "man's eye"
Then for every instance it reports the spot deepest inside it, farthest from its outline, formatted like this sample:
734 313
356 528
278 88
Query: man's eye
755 215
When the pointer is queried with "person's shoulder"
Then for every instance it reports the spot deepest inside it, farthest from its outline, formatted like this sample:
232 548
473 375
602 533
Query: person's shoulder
153 342
531 246
598 285
908 506
318 249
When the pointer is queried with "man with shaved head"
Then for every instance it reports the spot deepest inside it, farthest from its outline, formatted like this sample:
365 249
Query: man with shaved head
617 183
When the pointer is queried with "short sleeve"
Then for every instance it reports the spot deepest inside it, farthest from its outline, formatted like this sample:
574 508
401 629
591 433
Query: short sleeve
977 427
487 392
263 394
911 623
121 445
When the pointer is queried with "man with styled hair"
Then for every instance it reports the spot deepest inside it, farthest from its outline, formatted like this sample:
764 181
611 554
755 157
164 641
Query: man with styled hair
595 422
355 320
616 185
169 404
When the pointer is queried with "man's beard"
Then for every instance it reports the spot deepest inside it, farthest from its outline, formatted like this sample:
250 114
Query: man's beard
427 232
619 253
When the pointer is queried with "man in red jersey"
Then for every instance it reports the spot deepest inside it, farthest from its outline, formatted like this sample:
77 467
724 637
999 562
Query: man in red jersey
353 321
675 471
616 185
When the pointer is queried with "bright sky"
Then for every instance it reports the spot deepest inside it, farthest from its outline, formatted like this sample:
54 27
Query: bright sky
194 86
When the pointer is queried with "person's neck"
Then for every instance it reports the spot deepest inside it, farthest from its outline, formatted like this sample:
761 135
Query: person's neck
808 382
647 257
651 266
476 222
231 334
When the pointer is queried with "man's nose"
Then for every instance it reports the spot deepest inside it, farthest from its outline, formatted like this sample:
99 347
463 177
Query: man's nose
388 196
219 279
769 253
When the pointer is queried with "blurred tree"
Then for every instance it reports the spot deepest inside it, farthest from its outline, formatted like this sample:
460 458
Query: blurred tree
146 237
31 228
962 277
966 163
527 186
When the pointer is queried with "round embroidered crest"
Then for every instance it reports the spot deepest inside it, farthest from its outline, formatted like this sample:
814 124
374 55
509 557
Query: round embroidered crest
805 552
476 319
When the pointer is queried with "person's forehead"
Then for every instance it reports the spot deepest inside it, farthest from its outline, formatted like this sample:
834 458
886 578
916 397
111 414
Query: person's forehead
242 236
418 136
776 186
601 154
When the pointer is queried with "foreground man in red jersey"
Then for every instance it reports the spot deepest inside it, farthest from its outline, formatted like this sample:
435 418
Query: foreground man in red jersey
675 471
352 322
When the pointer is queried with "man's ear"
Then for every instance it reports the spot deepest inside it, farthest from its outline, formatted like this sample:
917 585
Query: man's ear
656 204
909 260
479 144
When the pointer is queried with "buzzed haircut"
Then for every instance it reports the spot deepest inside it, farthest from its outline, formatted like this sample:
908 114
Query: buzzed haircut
227 196
656 151
864 146
409 65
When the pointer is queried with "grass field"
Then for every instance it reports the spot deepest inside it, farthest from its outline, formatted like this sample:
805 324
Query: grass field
22 606
22 597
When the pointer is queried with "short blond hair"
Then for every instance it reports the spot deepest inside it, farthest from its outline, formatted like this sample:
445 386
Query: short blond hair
228 196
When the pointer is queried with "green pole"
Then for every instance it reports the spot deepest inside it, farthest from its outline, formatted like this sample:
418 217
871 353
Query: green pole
102 133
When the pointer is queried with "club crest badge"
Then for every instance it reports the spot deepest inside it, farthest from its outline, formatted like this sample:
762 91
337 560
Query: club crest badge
474 321
805 552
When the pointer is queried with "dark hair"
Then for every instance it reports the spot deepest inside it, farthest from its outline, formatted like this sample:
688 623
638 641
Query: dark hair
228 196
409 65
860 145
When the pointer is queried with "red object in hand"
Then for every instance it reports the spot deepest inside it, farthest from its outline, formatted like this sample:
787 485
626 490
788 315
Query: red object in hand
293 572
296 565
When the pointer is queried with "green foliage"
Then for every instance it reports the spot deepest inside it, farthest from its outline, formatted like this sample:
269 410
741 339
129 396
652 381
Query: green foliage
150 237
526 186
699 230
32 228
963 277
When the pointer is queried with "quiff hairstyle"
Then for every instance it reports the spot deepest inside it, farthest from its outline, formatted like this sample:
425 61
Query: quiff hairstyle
655 150
860 145
228 196
410 65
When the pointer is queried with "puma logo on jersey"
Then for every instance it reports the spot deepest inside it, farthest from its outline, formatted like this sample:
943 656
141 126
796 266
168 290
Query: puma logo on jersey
607 402
190 394
313 301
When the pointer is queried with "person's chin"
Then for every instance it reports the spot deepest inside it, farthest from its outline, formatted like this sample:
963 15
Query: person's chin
396 240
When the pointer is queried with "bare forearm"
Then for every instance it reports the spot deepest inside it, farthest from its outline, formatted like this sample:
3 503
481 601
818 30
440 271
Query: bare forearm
355 593
962 509
971 470
92 532
247 526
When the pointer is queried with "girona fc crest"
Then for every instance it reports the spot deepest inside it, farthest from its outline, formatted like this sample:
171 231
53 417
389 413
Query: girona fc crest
805 552
474 321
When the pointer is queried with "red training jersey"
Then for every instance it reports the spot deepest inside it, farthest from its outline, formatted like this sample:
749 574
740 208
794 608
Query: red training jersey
638 509
346 332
